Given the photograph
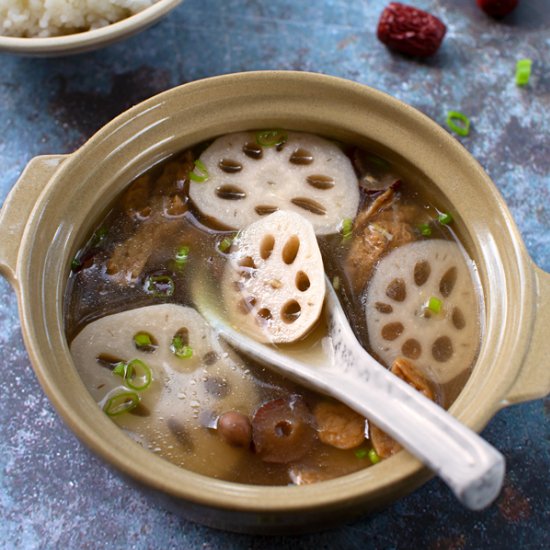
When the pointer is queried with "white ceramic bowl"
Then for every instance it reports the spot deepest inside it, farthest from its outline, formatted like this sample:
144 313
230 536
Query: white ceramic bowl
88 40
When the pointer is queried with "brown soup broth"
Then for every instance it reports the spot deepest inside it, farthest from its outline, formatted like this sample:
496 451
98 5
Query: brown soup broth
140 237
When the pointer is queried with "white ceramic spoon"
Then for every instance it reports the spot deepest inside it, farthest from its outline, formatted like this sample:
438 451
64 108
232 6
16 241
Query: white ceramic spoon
472 468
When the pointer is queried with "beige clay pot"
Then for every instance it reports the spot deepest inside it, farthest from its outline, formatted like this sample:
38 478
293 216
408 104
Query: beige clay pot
58 199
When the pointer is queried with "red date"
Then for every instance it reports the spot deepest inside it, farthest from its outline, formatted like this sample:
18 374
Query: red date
497 8
410 31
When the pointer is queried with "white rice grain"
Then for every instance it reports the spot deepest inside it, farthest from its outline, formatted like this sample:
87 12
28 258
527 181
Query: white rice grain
43 18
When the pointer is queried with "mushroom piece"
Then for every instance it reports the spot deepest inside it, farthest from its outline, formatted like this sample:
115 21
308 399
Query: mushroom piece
338 425
194 378
422 303
304 174
274 284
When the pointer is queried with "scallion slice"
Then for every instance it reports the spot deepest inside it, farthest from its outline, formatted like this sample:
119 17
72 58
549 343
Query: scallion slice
361 453
346 228
425 229
373 456
444 218
336 283
179 349
99 236
462 129
161 286
200 172
225 244
75 264
271 138
523 71
121 402
182 254
142 340
136 374
435 304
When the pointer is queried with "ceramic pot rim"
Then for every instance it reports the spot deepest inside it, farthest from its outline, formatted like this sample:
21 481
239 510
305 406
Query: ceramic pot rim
98 432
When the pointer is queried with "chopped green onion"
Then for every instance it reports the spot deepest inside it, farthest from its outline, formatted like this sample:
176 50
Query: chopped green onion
182 254
336 283
99 235
121 402
162 286
425 229
444 218
346 228
435 304
361 453
225 244
75 264
523 71
200 172
143 341
120 369
181 350
462 129
271 138
136 374
373 456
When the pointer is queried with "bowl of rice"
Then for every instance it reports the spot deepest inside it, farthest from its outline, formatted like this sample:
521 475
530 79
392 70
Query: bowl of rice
61 27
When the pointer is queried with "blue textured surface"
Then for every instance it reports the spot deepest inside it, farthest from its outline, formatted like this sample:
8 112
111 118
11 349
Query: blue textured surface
53 492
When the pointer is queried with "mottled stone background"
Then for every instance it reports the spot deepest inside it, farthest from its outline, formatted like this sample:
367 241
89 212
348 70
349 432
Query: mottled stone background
53 492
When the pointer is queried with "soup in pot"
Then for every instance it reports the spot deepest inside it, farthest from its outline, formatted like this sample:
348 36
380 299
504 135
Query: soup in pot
257 222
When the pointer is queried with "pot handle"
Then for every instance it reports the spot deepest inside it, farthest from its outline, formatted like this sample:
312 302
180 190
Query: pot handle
533 381
18 206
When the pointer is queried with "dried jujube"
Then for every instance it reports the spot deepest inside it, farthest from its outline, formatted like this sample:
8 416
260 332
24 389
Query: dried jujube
409 30
283 430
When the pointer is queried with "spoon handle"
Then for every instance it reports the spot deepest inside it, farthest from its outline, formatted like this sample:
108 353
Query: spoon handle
470 466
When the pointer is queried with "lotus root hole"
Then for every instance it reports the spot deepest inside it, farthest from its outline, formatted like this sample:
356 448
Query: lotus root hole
397 290
265 314
252 150
422 272
230 192
448 281
247 262
458 318
265 210
392 331
309 205
381 307
283 429
291 311
319 181
442 349
301 157
302 281
411 349
230 166
266 246
290 250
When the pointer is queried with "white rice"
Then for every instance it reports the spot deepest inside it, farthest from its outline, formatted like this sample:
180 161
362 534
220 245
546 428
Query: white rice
39 18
